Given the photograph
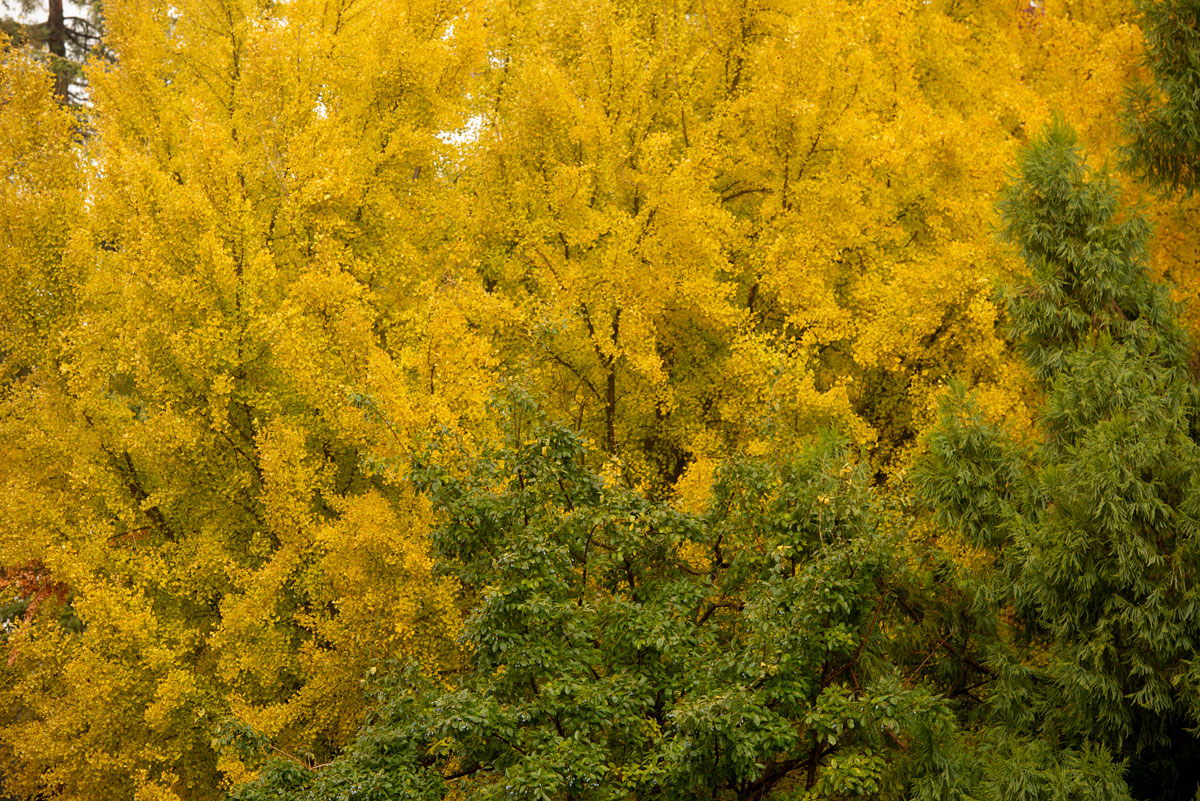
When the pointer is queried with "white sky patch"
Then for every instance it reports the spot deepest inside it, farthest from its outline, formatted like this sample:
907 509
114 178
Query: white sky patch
32 12
464 135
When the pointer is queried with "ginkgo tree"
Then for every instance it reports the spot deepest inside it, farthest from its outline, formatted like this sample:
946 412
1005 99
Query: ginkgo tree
723 225
597 216
41 206
228 311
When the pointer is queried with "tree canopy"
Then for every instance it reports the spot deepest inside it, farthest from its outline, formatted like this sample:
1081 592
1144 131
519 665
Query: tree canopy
786 641
612 399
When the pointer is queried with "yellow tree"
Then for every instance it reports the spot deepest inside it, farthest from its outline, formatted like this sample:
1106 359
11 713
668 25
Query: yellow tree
595 214
302 235
868 196
40 204
217 378
724 224
596 201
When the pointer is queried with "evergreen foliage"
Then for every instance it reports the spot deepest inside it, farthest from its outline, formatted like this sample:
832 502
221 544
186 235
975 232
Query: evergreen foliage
1088 271
1162 117
1095 529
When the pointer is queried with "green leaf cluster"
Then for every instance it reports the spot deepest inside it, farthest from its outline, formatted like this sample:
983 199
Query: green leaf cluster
789 642
1162 117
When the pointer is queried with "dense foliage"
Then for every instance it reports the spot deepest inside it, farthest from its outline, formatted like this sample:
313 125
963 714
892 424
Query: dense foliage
788 641
794 639
1162 117
1094 528
490 398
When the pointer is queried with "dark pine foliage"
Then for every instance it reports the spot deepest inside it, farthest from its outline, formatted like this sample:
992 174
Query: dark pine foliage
1162 115
1095 530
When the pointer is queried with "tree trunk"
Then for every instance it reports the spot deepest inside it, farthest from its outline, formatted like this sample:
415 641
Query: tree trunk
610 397
56 43
610 412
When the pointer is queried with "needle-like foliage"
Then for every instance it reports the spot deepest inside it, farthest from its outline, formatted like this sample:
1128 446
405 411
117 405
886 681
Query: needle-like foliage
1162 118
1095 530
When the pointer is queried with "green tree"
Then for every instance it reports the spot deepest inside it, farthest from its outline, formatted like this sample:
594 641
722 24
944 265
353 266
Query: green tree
1162 120
1095 528
788 642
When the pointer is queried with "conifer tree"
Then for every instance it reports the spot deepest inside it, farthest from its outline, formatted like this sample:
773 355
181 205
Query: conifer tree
1095 529
66 35
1161 140
1162 119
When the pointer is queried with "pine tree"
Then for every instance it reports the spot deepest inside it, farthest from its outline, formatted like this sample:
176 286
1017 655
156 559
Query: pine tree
1162 119
65 35
1096 528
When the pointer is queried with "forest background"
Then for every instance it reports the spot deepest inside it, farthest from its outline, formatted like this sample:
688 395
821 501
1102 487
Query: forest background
377 377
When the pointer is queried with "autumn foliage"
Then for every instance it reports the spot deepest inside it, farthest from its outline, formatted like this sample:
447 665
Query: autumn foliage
345 345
